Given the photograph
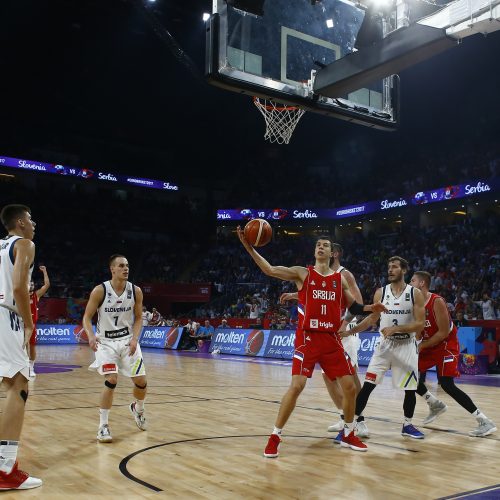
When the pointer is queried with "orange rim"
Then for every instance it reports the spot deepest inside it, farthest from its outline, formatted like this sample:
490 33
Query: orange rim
267 107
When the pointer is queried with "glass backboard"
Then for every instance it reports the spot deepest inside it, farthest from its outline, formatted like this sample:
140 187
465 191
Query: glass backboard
273 48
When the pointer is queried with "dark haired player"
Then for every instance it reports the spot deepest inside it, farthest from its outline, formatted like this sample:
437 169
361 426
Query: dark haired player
323 293
397 348
17 253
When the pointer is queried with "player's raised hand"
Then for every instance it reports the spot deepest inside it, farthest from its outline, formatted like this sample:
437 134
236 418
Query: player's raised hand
43 269
241 236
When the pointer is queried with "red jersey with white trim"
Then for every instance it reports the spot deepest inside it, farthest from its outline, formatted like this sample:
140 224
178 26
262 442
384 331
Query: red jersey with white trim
431 326
34 307
320 302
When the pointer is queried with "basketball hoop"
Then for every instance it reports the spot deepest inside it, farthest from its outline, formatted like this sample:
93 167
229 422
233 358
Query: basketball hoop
281 120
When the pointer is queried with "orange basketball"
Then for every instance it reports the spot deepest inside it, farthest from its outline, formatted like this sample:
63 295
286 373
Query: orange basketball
258 232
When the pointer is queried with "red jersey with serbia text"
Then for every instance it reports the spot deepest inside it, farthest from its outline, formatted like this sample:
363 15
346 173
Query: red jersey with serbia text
34 307
320 302
431 326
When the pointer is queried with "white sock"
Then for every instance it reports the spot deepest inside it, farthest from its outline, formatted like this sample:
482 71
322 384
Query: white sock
277 431
479 415
8 455
139 405
407 421
103 417
348 428
429 398
32 363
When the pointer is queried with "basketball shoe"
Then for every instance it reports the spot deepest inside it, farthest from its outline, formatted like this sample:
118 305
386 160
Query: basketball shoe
435 409
411 431
485 428
362 429
352 441
336 427
140 419
18 480
104 434
272 447
338 438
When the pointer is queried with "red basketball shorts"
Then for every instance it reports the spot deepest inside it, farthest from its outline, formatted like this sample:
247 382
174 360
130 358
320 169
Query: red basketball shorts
323 348
444 357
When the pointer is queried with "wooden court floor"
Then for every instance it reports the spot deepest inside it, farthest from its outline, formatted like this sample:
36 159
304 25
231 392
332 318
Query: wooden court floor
209 419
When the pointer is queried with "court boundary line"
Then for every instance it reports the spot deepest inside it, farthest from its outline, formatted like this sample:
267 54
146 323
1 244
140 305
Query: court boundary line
123 463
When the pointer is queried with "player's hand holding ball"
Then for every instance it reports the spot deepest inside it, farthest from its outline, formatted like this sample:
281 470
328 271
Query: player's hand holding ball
256 233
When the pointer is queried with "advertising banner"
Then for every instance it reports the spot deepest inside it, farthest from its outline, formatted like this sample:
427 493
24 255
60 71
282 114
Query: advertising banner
85 173
450 192
61 334
242 342
365 352
280 344
159 336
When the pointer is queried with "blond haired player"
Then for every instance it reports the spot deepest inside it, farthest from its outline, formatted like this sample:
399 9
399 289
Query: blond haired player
118 304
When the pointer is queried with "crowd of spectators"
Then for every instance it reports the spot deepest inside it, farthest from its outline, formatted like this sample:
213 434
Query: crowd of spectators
464 260
172 241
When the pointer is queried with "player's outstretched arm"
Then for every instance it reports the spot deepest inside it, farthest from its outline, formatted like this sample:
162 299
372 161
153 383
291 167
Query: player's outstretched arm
295 273
376 308
46 283
137 326
95 300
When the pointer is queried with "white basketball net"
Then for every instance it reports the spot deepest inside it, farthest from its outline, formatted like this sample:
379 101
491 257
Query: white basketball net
281 120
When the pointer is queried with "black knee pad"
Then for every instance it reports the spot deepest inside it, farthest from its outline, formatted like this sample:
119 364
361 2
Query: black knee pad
107 383
24 395
141 386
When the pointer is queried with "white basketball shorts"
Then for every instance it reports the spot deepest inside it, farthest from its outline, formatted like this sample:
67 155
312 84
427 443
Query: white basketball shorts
399 356
13 358
113 356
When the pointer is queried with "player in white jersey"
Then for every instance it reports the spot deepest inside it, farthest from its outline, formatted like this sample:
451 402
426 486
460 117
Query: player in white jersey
17 252
351 343
397 348
146 316
118 304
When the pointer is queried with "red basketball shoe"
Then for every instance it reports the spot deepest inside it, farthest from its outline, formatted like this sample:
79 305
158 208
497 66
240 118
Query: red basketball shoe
18 480
272 447
352 441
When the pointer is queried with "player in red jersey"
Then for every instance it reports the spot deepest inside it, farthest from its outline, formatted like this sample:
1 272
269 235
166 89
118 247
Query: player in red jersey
350 343
323 293
440 348
35 297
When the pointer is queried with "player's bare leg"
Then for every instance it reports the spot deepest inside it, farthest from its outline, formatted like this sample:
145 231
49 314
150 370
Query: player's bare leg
349 439
13 413
137 406
287 406
10 431
32 356
104 433
336 395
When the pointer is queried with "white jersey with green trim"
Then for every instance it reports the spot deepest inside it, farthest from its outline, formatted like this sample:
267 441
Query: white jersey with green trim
116 313
400 310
